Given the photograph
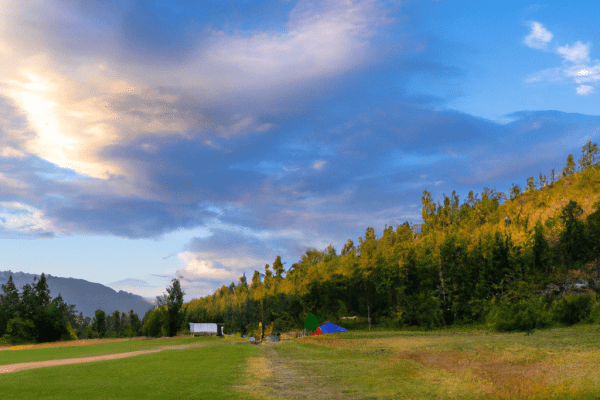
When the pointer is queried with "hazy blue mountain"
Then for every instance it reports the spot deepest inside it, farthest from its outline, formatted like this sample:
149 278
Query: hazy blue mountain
87 296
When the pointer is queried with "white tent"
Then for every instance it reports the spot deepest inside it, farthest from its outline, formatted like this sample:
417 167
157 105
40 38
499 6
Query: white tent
203 328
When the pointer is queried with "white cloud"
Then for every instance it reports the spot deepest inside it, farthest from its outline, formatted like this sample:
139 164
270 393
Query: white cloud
319 164
21 218
583 74
584 90
539 36
199 266
577 54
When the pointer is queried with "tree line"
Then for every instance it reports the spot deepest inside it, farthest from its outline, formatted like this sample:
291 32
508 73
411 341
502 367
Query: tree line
468 264
32 316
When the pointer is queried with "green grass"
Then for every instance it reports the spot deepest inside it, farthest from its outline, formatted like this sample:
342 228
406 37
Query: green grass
554 363
54 353
210 372
378 374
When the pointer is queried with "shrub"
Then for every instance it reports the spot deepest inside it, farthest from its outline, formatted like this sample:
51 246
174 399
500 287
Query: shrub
572 309
19 331
157 323
524 315
595 314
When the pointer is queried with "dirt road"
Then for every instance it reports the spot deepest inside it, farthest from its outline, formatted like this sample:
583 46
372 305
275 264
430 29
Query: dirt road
5 369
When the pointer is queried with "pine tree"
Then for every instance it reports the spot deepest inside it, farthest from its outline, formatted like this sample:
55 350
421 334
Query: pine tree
589 155
540 249
572 239
9 304
99 325
570 167
278 268
174 303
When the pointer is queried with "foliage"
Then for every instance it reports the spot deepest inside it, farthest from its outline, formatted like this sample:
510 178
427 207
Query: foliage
157 323
524 315
19 331
594 316
33 315
570 167
573 308
99 324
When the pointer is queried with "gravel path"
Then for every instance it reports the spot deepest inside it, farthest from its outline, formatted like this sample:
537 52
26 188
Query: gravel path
5 369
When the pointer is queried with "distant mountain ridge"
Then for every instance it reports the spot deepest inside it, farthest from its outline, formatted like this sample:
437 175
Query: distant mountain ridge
87 296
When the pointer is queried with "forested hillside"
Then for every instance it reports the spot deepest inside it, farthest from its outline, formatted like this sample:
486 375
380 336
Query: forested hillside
521 260
86 296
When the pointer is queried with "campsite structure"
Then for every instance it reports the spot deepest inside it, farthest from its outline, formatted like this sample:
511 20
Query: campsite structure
206 328
328 327
312 323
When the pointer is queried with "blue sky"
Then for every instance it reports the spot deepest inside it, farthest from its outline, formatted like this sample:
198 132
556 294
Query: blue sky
142 141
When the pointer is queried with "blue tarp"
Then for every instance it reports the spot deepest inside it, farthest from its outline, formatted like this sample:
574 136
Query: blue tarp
328 327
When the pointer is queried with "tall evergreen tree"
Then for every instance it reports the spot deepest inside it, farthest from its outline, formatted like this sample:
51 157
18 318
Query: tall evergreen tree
570 167
540 249
278 268
100 323
589 155
573 241
135 324
9 304
174 303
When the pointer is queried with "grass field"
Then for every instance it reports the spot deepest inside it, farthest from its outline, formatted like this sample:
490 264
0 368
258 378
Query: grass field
553 364
54 353
210 372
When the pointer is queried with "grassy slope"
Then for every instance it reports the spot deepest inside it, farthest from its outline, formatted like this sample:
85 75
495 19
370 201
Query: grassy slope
22 356
200 373
545 204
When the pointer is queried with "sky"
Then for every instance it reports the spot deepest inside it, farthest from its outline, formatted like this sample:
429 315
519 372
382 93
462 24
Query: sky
142 141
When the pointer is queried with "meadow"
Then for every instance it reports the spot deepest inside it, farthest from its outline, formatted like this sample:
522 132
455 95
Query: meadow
561 363
55 353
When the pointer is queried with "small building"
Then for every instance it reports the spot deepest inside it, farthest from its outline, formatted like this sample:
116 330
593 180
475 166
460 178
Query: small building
206 328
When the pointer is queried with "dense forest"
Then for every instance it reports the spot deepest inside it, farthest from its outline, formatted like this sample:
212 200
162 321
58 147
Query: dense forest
520 261
32 316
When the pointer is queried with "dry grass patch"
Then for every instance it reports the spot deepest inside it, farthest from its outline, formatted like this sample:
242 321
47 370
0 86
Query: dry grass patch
65 344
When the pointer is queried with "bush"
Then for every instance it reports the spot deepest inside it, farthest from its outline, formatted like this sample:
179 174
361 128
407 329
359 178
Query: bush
524 315
572 309
157 323
594 317
19 331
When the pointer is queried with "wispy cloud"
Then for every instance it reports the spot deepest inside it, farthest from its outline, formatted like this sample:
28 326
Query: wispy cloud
539 36
577 54
584 90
